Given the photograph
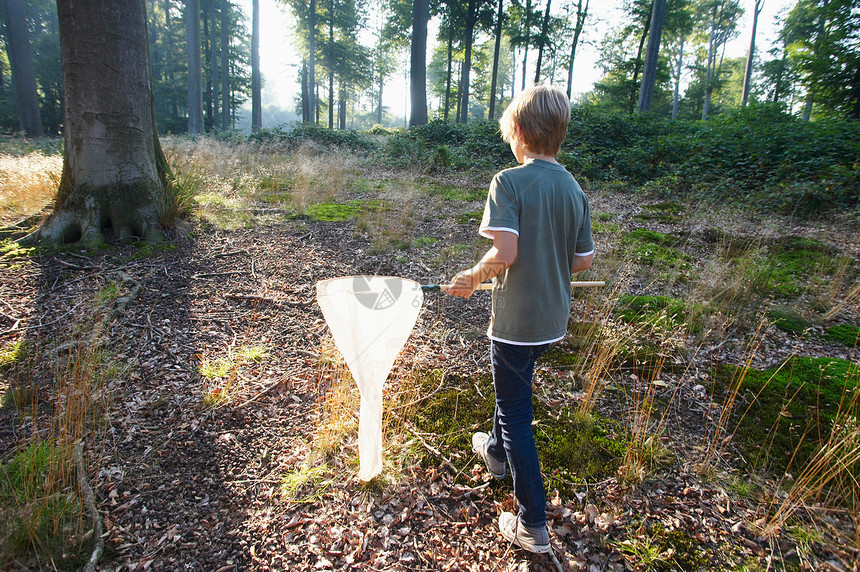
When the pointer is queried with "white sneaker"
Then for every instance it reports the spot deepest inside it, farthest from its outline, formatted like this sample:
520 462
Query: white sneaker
526 537
479 445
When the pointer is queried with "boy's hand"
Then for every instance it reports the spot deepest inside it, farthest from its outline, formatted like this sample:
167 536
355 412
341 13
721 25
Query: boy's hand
463 284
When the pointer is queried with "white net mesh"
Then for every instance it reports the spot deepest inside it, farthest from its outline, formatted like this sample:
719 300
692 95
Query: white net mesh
370 318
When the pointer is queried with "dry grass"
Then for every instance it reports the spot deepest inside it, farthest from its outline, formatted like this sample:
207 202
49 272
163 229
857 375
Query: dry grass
27 184
232 181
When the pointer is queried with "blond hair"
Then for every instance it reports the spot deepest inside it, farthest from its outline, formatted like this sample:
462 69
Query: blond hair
542 114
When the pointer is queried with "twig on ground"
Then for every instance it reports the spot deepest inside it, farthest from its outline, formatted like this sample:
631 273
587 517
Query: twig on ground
89 501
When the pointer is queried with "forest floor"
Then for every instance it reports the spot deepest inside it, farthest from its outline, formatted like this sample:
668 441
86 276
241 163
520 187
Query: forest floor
226 438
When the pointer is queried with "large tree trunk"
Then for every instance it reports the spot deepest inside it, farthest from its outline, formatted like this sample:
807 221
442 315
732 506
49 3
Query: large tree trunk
256 96
225 65
496 50
649 73
114 172
418 64
544 30
195 69
21 63
465 72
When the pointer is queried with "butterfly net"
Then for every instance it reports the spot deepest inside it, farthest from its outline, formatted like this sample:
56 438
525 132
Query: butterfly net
370 318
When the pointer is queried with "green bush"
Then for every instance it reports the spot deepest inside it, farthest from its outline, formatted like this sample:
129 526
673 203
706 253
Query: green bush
302 132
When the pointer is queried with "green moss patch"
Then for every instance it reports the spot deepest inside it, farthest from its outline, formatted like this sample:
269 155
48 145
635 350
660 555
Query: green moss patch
666 213
845 334
455 193
787 409
571 449
337 212
471 217
788 321
654 248
660 311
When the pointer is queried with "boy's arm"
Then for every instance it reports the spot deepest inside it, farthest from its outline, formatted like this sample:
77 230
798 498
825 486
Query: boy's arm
498 258
581 263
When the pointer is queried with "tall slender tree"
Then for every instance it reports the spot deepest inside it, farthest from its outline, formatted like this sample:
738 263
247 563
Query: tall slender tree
256 89
195 69
759 4
225 65
466 70
496 49
649 73
581 15
418 63
21 63
542 38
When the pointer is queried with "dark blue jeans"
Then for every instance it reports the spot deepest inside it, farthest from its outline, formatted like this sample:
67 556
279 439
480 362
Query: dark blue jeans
512 435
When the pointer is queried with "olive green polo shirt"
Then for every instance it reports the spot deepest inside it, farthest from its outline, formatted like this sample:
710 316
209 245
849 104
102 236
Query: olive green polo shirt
545 207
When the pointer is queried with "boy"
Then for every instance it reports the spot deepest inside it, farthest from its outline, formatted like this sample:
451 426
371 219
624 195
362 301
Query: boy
539 221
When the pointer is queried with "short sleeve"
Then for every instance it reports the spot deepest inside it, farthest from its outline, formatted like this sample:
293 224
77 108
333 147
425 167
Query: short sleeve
501 211
584 242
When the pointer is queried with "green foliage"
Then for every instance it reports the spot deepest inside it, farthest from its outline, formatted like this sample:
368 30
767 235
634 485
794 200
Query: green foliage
41 510
789 410
657 548
758 156
570 448
14 353
845 334
293 136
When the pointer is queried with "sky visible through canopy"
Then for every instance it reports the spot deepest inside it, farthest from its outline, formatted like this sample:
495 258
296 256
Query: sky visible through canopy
280 62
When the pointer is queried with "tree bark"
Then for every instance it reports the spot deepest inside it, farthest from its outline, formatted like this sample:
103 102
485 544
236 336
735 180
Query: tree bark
331 65
114 171
312 33
676 98
379 101
448 77
213 61
306 112
195 69
418 64
527 20
581 15
544 30
759 4
465 72
649 73
496 50
225 65
637 63
256 95
21 63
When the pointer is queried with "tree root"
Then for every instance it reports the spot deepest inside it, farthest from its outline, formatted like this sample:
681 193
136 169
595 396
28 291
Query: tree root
90 502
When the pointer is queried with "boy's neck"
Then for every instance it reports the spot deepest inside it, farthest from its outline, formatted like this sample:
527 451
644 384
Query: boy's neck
529 157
